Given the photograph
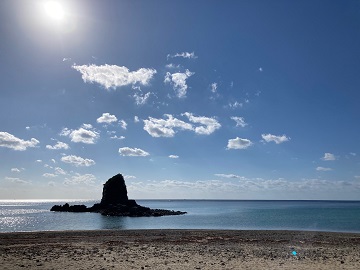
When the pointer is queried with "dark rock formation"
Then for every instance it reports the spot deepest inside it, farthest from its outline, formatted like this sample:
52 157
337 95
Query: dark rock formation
115 202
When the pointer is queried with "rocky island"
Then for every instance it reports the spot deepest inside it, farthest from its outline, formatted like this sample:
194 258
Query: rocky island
115 202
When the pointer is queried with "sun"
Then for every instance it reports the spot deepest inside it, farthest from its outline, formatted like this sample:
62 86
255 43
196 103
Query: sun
54 10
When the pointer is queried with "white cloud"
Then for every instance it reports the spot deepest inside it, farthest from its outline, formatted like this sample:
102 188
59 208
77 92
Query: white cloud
136 119
15 170
171 65
17 180
58 170
78 161
38 161
323 169
183 55
117 138
232 176
123 124
173 156
10 141
112 76
353 154
129 177
53 160
239 143
208 124
49 175
132 152
79 179
276 139
58 145
214 87
328 157
106 118
178 81
141 99
165 127
240 121
236 105
66 59
85 134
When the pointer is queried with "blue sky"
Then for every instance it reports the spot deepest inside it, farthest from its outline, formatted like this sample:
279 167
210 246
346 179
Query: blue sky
187 99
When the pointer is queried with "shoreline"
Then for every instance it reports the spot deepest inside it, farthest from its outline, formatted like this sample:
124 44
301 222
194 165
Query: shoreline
179 249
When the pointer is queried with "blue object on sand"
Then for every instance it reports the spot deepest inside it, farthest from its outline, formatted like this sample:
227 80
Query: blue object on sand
294 253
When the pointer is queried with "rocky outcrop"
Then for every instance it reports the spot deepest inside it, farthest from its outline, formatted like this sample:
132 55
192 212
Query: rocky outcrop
115 202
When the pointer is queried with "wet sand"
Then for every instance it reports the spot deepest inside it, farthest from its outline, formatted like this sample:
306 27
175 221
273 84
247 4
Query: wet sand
179 249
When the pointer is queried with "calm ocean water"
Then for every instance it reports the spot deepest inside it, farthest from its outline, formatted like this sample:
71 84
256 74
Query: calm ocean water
339 216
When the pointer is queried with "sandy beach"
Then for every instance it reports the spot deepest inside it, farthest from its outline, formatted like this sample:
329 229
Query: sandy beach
179 249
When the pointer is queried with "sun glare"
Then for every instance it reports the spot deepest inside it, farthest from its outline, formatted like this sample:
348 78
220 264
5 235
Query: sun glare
54 10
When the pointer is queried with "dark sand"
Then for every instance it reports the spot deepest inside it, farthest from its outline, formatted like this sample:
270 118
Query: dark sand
179 249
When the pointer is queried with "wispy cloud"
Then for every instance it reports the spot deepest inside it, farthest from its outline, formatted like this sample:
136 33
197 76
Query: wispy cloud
141 99
78 161
178 81
207 124
187 55
231 176
235 105
15 170
112 76
59 170
80 179
106 118
213 87
240 121
328 157
123 124
85 134
49 175
174 156
274 138
10 141
58 146
323 169
239 143
133 152
17 180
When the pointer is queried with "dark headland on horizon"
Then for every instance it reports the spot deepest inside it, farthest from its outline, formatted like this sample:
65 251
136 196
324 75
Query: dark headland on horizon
115 202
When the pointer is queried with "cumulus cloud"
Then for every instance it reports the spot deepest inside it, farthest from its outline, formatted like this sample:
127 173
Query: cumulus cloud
112 76
58 170
79 179
207 124
10 141
115 137
239 143
240 121
165 127
85 134
15 170
173 156
328 157
323 169
133 152
183 55
78 161
178 81
106 118
58 146
276 139
136 119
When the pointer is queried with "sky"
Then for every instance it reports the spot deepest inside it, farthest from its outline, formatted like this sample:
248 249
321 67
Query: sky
187 99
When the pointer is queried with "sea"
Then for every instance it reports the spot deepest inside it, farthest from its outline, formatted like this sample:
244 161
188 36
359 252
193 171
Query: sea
332 216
